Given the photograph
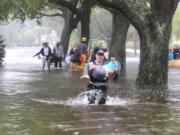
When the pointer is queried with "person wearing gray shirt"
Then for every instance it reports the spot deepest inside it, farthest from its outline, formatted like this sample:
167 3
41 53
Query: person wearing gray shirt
58 55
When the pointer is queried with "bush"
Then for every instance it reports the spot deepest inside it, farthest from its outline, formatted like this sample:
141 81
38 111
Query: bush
2 50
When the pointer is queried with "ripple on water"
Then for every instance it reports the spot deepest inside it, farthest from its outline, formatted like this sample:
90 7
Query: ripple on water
68 128
13 92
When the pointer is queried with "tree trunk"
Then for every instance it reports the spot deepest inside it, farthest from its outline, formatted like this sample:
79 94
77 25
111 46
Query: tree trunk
154 28
70 23
65 37
154 42
118 41
85 25
85 18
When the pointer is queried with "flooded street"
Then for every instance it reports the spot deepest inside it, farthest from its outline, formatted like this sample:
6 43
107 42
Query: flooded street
33 102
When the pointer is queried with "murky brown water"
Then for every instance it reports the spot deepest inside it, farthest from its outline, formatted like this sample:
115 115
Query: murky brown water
33 102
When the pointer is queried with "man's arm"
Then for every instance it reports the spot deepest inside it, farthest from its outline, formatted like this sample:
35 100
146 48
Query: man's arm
40 52
85 72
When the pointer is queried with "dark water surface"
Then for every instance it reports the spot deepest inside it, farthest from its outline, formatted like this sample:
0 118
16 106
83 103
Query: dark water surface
33 102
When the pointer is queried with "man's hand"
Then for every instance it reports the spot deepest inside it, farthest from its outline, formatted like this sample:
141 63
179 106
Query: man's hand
84 77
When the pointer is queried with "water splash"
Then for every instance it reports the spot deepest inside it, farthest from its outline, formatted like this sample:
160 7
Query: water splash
82 100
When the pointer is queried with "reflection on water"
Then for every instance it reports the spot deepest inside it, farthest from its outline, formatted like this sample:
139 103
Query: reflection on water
33 102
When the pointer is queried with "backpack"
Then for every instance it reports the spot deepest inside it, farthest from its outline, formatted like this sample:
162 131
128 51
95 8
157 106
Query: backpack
75 56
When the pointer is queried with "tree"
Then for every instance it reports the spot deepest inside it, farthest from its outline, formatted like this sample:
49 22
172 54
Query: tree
8 11
70 23
119 33
2 51
36 9
99 26
83 12
153 20
119 28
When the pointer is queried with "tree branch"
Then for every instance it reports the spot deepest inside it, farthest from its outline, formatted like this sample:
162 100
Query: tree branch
75 21
175 4
51 15
57 7
68 4
127 9
162 9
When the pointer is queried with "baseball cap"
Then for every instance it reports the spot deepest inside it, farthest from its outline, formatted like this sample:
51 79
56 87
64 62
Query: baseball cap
100 52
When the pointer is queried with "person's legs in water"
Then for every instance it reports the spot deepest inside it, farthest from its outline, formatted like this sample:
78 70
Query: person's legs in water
60 62
55 62
115 77
71 66
43 63
103 95
90 95
97 93
76 67
48 64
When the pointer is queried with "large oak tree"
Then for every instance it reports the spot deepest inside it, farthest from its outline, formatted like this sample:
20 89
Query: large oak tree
153 20
120 26
82 10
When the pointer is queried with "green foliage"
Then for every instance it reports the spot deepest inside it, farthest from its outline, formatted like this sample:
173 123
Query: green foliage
101 23
6 8
26 8
98 43
2 51
18 9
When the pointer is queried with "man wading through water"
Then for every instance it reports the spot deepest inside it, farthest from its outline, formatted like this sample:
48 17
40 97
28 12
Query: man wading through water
58 55
45 53
98 77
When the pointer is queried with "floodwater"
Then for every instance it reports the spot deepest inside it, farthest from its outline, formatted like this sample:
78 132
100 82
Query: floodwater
33 102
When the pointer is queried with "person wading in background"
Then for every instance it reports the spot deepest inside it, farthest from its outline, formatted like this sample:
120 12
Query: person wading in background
58 55
45 53
75 58
82 47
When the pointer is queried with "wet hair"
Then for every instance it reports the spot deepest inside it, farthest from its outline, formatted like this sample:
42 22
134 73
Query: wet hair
58 44
45 43
96 49
104 49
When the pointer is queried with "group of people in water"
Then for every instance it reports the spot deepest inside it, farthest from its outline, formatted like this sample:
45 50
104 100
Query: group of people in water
78 55
48 56
97 68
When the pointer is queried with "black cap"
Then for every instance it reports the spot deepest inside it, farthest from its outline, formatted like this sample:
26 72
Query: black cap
100 52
